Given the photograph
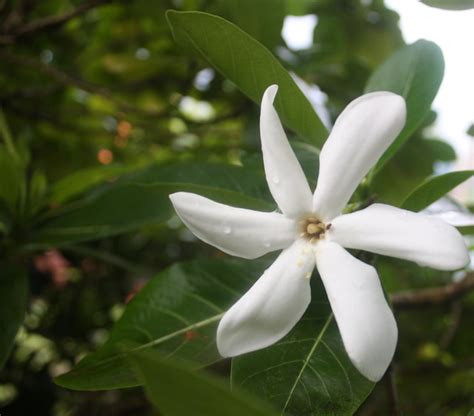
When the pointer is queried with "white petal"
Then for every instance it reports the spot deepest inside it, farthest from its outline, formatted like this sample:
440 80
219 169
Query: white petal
236 231
285 177
362 133
400 233
272 306
366 323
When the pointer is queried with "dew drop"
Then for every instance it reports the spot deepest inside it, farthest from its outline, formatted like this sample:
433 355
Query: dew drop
266 244
276 180
227 230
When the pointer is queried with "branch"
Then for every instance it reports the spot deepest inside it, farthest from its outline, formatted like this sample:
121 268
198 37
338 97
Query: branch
50 21
65 79
433 295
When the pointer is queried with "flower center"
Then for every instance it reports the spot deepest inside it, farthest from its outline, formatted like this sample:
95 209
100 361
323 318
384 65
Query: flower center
313 229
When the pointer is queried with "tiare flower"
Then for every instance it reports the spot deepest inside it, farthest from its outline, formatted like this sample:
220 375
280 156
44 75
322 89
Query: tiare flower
313 232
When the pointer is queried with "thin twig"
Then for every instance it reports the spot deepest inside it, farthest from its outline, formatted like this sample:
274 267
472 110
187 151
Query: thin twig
434 295
65 79
450 333
392 392
50 22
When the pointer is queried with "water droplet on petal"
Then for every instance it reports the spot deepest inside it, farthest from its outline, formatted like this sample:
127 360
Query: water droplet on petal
266 244
227 230
276 180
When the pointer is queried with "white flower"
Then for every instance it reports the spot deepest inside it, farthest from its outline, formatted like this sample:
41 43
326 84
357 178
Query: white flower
312 232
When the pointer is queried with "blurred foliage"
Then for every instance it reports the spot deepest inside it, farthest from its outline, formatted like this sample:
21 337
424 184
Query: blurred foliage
103 114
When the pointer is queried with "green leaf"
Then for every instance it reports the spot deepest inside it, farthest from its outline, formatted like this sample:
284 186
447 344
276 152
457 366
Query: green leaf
415 72
82 180
408 169
11 179
142 199
176 390
249 65
450 4
13 302
176 313
308 372
434 188
261 19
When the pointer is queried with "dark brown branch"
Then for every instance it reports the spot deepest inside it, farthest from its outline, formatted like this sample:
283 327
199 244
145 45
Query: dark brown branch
50 22
433 295
65 79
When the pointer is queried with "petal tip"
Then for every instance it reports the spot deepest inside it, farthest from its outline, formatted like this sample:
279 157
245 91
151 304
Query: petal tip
270 92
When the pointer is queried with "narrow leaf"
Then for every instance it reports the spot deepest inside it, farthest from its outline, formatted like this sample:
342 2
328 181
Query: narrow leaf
450 4
176 390
142 199
249 65
13 301
434 188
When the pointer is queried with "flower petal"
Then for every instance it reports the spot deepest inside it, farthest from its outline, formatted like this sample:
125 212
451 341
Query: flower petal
236 231
366 323
272 306
400 233
285 177
361 134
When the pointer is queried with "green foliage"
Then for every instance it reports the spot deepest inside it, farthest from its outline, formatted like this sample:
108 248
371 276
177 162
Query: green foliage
415 72
176 314
434 188
13 302
166 383
141 199
249 65
95 136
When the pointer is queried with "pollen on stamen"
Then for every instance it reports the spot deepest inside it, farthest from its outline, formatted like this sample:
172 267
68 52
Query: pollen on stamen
313 229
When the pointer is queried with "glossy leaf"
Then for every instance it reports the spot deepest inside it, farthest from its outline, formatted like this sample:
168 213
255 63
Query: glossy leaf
308 372
176 314
13 301
141 199
434 188
415 72
450 4
176 390
249 65
80 181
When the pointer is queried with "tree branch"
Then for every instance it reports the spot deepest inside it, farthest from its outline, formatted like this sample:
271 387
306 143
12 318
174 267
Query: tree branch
65 79
50 21
434 295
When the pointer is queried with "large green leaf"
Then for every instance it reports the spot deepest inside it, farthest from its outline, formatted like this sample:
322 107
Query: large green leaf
176 313
308 372
415 72
249 65
13 301
80 181
141 199
450 4
434 188
176 390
